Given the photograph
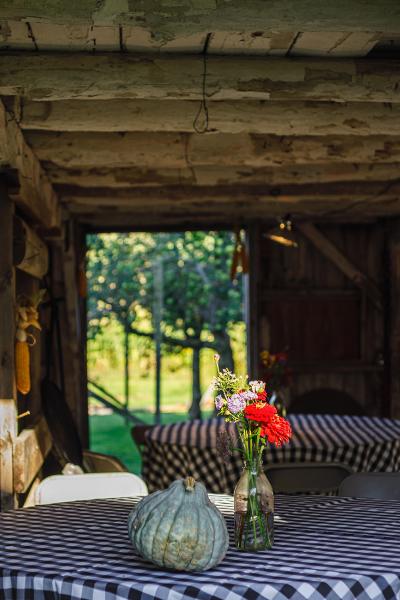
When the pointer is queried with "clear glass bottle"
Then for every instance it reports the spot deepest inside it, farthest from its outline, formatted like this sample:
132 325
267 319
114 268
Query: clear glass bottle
279 400
254 509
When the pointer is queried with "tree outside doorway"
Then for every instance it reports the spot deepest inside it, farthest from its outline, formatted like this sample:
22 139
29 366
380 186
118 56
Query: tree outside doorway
170 291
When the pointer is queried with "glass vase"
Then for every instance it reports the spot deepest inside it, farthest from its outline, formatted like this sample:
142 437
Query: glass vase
279 400
254 509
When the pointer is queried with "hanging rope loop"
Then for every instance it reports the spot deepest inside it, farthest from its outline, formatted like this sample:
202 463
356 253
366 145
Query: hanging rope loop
201 120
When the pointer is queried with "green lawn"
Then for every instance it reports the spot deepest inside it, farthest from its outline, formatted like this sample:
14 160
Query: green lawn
110 434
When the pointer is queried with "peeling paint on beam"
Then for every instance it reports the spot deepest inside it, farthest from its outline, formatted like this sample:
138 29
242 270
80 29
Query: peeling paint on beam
169 18
228 175
248 195
61 76
112 150
252 116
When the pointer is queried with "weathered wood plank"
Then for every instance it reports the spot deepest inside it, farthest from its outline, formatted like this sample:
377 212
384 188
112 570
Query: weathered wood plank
35 195
334 43
30 450
251 43
393 324
75 337
7 296
55 36
15 35
137 39
252 116
62 76
165 18
214 215
8 421
155 204
220 175
316 43
79 150
174 194
332 253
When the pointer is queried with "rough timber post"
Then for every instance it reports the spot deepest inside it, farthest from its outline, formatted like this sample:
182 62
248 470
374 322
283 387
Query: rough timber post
8 421
394 319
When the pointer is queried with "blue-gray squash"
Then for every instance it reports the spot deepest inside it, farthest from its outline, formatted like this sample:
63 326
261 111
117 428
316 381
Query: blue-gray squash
179 528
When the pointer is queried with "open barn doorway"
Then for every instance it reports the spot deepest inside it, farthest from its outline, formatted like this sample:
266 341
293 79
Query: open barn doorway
160 305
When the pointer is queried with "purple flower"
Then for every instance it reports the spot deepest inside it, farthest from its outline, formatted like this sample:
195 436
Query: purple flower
236 403
219 402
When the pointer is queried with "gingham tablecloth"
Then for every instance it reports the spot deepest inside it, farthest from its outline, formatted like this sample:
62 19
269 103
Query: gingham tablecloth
190 448
326 548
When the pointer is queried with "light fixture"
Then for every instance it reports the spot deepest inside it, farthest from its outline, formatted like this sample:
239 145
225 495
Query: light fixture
283 234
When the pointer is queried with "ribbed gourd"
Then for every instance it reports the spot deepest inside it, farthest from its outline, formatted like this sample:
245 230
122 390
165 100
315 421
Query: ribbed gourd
179 528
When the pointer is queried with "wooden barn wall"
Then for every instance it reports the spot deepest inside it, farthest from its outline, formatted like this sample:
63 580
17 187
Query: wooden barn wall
25 440
332 331
26 285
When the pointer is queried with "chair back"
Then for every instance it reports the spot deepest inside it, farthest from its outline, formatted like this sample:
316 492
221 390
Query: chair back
307 477
383 486
326 401
138 433
66 488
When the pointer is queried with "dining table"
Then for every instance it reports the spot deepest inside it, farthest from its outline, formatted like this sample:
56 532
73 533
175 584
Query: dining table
333 548
199 448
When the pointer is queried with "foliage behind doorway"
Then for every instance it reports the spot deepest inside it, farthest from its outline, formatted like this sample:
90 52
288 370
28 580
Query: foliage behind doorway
172 285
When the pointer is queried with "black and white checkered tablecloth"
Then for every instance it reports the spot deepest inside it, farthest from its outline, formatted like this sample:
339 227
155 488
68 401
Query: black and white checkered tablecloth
190 448
326 548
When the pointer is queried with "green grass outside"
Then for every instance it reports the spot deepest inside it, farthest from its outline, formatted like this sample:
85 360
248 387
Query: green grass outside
111 434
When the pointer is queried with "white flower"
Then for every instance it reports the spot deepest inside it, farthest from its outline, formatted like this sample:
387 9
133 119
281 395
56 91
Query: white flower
257 386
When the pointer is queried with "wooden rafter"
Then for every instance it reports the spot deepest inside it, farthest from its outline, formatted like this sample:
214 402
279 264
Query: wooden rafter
80 150
206 175
61 76
170 195
35 193
234 116
163 16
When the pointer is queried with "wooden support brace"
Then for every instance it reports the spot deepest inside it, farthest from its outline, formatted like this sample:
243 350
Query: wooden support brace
394 320
330 251
8 420
30 450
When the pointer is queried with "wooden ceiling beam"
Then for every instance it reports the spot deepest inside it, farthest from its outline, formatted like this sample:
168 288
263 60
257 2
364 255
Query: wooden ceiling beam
169 20
112 150
334 209
198 197
235 116
35 195
62 76
221 175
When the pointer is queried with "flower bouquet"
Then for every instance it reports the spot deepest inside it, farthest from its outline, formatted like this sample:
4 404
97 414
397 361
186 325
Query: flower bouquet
258 423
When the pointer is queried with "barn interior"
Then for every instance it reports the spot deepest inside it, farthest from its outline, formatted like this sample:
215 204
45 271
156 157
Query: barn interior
126 116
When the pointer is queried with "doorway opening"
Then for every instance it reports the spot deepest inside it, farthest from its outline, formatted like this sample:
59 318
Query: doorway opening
160 305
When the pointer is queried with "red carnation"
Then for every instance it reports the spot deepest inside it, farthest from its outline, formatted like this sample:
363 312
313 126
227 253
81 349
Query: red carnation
277 430
260 412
